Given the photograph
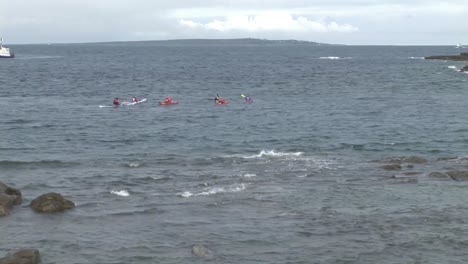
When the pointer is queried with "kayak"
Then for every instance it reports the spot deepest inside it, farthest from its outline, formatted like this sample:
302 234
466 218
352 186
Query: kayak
134 103
169 103
221 102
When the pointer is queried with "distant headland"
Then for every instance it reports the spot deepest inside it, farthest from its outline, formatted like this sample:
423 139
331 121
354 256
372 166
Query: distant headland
222 42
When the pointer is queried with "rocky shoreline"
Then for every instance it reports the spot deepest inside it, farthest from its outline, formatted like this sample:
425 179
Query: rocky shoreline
394 170
462 57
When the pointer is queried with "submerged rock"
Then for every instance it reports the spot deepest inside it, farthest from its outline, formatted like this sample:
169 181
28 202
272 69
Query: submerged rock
410 159
50 203
458 175
9 197
202 251
24 256
438 175
392 167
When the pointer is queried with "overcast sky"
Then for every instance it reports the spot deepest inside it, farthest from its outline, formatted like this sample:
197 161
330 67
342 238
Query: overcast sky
393 22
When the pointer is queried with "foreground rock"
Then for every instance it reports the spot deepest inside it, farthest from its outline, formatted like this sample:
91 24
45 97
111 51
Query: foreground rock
202 251
24 256
9 197
464 69
50 203
461 57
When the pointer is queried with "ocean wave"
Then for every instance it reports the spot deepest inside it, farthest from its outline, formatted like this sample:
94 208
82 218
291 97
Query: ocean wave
273 153
133 165
38 57
335 58
14 164
123 193
416 58
214 190
452 67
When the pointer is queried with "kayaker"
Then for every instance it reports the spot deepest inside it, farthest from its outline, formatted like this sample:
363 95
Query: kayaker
135 99
116 101
168 99
217 98
248 99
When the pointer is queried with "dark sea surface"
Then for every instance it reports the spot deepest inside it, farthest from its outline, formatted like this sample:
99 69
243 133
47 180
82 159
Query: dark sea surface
294 177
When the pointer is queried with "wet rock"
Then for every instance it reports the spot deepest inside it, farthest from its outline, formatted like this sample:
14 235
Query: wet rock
410 159
391 167
404 180
438 175
461 57
458 175
202 251
464 69
411 173
50 203
9 197
24 256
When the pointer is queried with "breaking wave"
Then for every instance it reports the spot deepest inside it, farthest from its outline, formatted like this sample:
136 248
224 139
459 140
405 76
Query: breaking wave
214 190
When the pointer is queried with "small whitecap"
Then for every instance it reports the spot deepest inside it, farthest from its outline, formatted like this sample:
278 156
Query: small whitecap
272 153
134 165
123 193
416 58
335 58
216 190
249 175
452 67
185 194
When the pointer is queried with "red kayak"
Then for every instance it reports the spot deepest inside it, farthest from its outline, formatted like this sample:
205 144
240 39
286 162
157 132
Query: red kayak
221 102
169 103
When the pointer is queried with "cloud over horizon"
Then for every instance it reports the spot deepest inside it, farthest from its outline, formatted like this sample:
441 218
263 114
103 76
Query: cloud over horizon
273 21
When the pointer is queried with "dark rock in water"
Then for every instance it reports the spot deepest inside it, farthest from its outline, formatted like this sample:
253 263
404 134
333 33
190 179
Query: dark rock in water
458 175
461 57
8 198
24 256
202 251
438 175
411 159
464 69
392 167
51 202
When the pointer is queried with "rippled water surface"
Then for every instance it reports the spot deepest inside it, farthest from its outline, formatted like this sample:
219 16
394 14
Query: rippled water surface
294 177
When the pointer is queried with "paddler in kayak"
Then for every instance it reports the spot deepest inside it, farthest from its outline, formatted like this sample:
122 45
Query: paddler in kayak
247 98
168 100
116 101
135 99
219 100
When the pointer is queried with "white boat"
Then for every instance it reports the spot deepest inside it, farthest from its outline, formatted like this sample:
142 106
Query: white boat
4 51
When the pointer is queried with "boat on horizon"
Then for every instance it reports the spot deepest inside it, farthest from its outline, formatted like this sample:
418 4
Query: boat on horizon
4 51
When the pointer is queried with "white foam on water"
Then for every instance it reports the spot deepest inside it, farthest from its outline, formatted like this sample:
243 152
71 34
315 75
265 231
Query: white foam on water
249 175
335 58
272 153
215 190
123 193
452 67
134 165
416 58
185 194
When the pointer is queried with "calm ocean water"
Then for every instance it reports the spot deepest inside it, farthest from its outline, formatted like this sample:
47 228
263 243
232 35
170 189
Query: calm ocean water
290 178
